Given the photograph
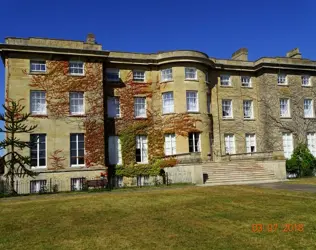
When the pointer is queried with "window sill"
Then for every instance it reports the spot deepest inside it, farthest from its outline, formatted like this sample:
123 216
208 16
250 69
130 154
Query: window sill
78 115
191 80
37 73
226 86
167 81
249 119
77 166
76 75
245 87
228 119
312 117
307 86
41 167
171 113
139 81
39 115
140 118
193 112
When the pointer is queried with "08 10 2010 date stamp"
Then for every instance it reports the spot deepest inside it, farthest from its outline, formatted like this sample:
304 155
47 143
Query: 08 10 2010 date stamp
258 228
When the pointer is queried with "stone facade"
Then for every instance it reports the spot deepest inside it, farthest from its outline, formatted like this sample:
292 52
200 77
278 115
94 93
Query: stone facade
16 54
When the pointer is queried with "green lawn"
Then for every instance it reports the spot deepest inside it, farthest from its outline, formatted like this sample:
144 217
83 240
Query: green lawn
306 180
183 218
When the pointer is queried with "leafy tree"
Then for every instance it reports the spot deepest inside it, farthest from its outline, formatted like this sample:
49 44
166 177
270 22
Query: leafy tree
302 161
15 123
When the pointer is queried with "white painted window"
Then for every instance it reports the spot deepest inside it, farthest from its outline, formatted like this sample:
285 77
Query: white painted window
77 149
38 102
141 149
37 66
37 186
115 150
112 75
206 76
285 108
170 144
251 143
140 107
306 80
227 108
142 180
245 81
139 75
167 103
166 75
114 106
248 109
194 142
287 145
76 103
308 108
225 80
282 79
38 150
190 74
76 68
208 102
192 101
311 143
76 184
229 144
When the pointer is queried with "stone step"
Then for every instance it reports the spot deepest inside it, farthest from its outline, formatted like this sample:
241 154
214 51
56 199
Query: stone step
239 182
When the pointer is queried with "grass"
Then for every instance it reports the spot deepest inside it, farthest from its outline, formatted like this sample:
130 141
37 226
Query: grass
183 218
305 180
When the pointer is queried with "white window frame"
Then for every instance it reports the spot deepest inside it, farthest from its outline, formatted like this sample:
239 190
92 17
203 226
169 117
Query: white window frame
225 102
192 95
170 144
286 114
189 72
282 79
36 100
306 80
113 107
142 144
230 147
245 81
167 102
76 67
139 75
77 150
137 105
166 75
113 71
38 150
77 97
225 80
251 142
115 150
196 147
311 142
245 105
40 66
38 184
287 139
311 109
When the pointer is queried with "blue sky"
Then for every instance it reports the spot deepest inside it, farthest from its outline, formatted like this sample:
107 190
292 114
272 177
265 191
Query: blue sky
218 28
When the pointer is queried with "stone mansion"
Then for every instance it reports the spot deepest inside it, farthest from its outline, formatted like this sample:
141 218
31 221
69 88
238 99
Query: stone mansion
200 108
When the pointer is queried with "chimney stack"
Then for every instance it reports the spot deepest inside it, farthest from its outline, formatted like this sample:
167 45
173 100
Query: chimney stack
241 54
90 38
294 53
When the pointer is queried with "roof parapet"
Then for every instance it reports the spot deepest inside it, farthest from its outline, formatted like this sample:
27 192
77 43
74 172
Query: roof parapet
241 54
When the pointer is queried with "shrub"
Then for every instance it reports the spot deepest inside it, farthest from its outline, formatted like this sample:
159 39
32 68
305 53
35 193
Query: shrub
302 162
